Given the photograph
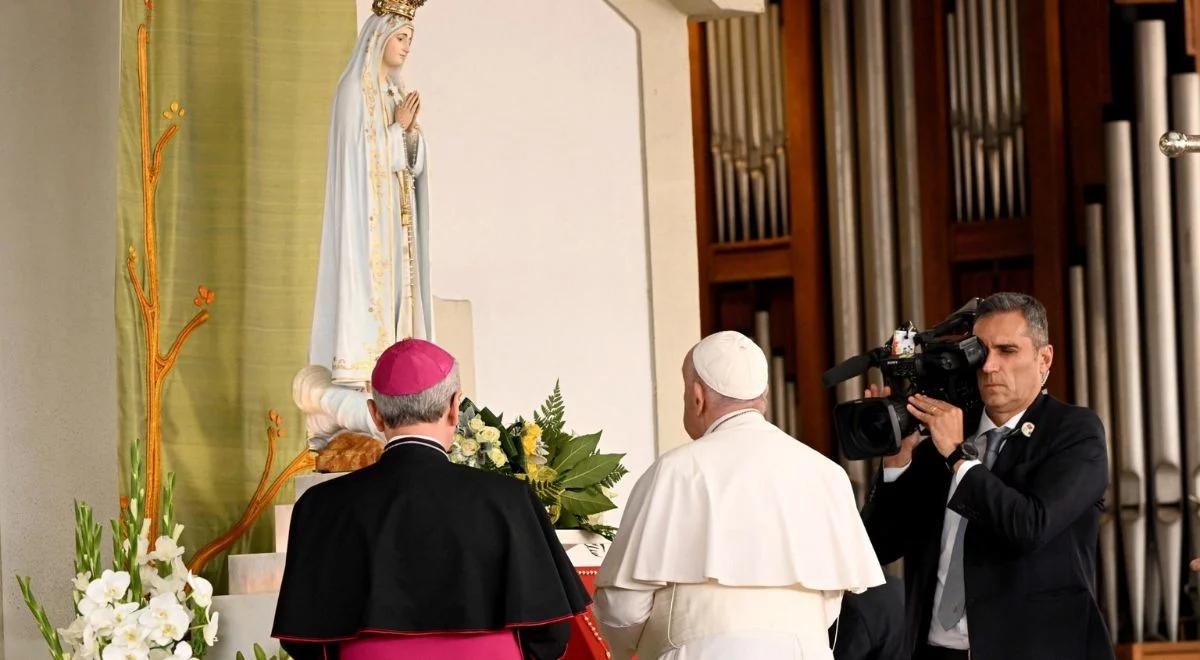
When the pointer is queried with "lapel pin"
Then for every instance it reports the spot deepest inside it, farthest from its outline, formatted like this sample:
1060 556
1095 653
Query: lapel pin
1027 429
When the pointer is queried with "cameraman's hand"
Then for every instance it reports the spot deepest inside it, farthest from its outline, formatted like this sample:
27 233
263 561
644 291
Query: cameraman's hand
943 420
904 456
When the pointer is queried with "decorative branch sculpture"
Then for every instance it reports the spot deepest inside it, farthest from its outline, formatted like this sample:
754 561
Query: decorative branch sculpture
263 495
159 364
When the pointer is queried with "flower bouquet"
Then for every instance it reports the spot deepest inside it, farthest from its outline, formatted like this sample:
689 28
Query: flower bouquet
148 606
565 470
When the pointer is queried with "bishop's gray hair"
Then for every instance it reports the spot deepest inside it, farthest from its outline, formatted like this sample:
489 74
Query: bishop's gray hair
424 407
1033 311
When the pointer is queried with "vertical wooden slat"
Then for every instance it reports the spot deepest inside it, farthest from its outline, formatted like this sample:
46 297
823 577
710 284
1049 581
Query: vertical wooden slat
1042 75
809 255
933 149
703 168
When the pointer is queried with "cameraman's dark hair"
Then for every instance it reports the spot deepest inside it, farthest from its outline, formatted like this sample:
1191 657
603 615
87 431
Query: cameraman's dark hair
1033 311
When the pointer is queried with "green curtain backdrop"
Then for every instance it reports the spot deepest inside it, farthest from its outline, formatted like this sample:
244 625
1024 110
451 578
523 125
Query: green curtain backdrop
239 211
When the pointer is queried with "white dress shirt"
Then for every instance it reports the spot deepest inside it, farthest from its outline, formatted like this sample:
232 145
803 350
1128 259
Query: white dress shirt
955 638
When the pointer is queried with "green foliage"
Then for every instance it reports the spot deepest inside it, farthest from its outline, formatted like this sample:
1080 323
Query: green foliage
260 654
43 622
564 470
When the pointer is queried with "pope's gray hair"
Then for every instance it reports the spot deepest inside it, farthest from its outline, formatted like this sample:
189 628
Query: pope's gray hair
424 407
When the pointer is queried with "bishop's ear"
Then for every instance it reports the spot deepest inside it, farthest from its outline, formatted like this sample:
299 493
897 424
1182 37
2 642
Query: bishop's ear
452 413
376 418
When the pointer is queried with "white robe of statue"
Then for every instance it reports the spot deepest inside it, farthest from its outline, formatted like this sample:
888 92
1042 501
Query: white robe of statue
363 302
373 277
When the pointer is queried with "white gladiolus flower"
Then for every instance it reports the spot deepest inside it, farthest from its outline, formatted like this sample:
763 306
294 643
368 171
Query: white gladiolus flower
202 590
89 646
169 585
109 587
210 630
82 580
73 633
166 550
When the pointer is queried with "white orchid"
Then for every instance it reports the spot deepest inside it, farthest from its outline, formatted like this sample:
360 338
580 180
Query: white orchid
118 652
202 590
130 634
183 651
102 620
110 586
210 629
123 612
166 619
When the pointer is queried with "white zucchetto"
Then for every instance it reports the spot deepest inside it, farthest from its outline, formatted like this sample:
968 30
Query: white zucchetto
732 365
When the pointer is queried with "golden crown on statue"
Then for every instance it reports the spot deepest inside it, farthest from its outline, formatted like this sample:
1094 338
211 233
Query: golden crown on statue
404 8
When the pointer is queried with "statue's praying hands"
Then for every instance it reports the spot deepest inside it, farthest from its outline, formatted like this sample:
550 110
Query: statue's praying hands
406 112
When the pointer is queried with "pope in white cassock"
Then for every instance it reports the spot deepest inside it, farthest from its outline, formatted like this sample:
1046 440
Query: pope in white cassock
740 544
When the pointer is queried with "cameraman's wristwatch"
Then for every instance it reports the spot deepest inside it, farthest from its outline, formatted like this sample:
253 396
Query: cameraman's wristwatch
964 452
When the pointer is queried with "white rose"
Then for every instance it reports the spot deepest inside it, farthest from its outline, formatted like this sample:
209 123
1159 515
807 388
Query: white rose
489 434
499 459
469 447
476 424
202 590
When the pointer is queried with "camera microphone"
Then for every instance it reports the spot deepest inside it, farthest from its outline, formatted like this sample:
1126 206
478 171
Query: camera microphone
855 366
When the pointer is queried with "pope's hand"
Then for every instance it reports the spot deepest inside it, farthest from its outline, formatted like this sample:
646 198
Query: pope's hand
406 112
904 456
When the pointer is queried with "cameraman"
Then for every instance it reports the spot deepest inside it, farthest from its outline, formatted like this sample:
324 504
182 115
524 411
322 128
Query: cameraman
1029 479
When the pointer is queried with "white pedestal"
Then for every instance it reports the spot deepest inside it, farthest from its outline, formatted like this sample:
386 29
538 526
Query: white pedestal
245 620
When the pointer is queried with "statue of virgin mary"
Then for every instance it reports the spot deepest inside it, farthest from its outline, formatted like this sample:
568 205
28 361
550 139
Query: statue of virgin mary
373 277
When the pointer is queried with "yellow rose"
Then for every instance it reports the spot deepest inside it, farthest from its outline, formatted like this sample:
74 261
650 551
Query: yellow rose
488 434
532 430
476 424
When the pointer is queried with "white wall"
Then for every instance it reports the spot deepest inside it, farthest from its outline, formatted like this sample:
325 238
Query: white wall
58 128
534 124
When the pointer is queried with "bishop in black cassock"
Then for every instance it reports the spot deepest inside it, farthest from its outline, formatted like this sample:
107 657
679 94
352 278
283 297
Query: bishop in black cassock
415 556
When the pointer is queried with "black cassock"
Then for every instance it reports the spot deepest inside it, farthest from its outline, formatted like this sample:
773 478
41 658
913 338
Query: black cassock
417 544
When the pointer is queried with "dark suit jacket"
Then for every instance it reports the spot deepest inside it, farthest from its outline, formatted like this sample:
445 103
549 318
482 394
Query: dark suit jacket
1029 559
871 625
